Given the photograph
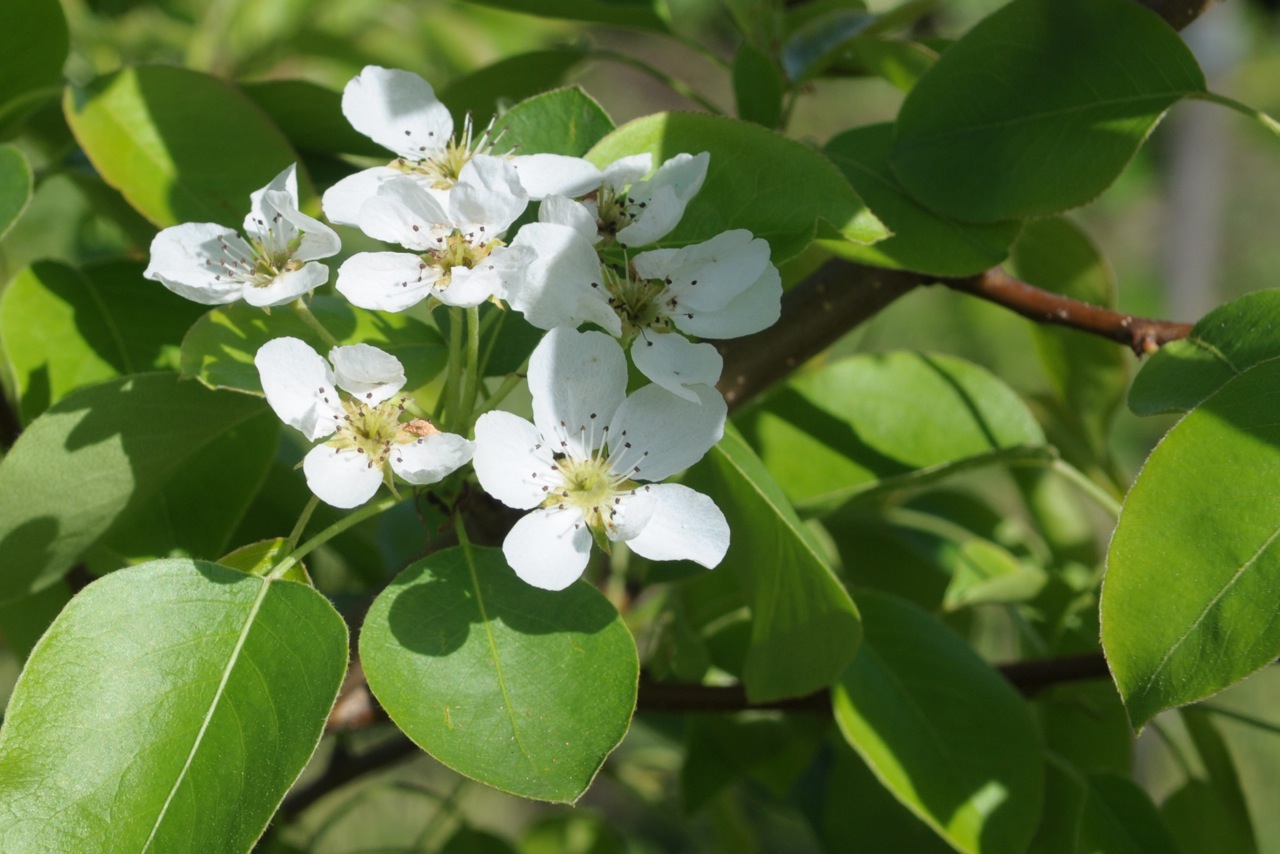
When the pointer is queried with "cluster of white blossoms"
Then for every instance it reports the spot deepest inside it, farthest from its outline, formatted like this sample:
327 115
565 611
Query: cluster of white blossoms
590 465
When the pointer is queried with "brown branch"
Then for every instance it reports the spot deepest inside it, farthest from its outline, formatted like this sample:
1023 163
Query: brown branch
1143 335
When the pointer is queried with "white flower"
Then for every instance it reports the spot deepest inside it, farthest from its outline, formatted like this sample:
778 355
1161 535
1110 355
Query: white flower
633 211
368 442
459 258
589 461
723 288
399 111
211 264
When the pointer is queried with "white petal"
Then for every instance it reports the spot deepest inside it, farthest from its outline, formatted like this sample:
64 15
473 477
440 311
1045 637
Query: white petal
369 374
194 260
667 433
664 198
287 287
623 173
432 458
385 281
487 197
556 287
398 110
468 287
545 175
512 462
706 276
661 213
631 512
674 362
341 478
286 185
407 213
756 308
549 548
318 240
559 210
685 525
342 201
577 380
511 265
299 386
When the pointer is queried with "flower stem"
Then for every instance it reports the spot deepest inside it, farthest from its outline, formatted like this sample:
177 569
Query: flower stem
373 508
452 394
313 323
302 522
500 393
1101 497
472 378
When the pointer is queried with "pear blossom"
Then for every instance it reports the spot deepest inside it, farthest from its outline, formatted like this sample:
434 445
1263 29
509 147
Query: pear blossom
399 111
588 465
366 440
725 287
274 263
458 255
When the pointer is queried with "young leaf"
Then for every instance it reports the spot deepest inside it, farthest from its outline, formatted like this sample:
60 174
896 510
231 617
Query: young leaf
33 47
15 186
520 688
941 730
168 708
922 240
566 121
1228 340
1186 613
1039 107
791 188
180 145
92 456
483 93
804 626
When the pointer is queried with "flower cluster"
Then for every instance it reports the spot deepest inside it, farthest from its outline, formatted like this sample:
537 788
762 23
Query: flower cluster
590 464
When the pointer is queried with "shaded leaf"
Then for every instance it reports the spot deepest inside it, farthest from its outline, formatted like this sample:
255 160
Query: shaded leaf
16 185
310 116
566 121
757 87
622 13
485 92
33 47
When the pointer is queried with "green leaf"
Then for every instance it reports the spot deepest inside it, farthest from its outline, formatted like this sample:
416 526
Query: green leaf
902 63
1227 341
1084 723
520 688
942 730
878 421
261 557
168 708
220 347
310 116
791 189
16 185
566 121
24 620
1210 814
62 329
483 93
180 145
1185 614
804 626
642 14
922 240
1118 816
770 752
1039 107
757 87
33 47
819 41
101 451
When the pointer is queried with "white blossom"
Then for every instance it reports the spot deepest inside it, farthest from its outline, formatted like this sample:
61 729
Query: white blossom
588 465
366 440
399 111
274 263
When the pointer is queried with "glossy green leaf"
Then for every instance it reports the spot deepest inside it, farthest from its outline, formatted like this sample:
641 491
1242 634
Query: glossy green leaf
758 87
941 729
922 240
181 146
33 47
111 447
792 188
1087 374
523 689
877 421
566 121
483 93
168 708
1228 340
220 347
310 116
62 329
1039 107
16 185
804 626
1185 614
620 13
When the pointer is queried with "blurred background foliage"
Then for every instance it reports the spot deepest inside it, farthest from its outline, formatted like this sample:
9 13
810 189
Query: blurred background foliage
1189 225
